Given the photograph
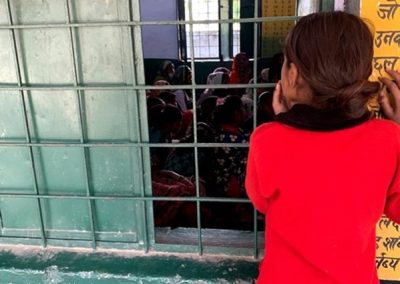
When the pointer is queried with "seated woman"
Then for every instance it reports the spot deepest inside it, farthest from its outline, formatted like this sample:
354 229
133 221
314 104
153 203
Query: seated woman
230 161
164 122
261 79
215 78
175 213
181 160
240 73
228 166
265 112
183 76
156 93
168 97
166 72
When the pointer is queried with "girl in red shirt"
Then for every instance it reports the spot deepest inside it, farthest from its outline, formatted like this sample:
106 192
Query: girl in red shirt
326 170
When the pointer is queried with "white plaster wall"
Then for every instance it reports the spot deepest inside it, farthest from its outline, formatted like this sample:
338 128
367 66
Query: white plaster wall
339 5
306 7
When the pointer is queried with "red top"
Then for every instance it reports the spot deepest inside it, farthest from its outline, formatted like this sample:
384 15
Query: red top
323 193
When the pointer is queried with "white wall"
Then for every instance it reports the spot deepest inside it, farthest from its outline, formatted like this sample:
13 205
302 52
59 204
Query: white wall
159 41
306 7
339 5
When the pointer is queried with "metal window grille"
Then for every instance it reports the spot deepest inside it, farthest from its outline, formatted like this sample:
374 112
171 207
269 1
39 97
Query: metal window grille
75 167
236 26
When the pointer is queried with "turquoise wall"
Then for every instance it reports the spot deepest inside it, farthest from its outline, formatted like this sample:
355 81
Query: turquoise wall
57 120
51 266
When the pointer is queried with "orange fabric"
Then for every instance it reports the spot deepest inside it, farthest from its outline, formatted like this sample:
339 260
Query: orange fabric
240 73
187 124
323 193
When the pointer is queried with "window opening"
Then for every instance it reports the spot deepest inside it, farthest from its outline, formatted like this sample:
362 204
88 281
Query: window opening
205 36
213 40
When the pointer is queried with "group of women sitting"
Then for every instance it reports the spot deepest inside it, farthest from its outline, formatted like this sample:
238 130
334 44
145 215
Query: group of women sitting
223 115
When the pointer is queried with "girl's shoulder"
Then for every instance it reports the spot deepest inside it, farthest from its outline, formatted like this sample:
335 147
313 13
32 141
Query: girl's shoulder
386 123
268 127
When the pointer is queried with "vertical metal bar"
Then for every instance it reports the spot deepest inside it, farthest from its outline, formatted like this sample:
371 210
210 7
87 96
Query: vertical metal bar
255 63
26 123
255 53
1 223
231 35
82 128
135 38
196 150
328 5
236 15
208 30
226 31
180 10
219 27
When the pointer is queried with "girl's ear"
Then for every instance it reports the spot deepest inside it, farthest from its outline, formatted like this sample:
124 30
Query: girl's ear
296 81
293 75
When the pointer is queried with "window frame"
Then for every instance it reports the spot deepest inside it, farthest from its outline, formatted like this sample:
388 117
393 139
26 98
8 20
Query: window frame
225 32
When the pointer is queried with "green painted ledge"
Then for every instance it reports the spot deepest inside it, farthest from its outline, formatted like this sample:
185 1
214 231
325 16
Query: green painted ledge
24 264
32 265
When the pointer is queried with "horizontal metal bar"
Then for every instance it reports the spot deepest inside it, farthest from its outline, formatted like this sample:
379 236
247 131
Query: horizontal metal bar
125 144
64 238
9 87
125 197
71 243
236 252
149 23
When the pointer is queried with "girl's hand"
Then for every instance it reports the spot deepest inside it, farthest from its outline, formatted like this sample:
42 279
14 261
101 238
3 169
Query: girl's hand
278 101
391 108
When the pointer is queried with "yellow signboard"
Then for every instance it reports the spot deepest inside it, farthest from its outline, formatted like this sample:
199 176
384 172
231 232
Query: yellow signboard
388 250
385 16
274 33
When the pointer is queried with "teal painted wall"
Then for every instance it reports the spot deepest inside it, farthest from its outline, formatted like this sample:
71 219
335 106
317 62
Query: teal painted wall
44 266
47 57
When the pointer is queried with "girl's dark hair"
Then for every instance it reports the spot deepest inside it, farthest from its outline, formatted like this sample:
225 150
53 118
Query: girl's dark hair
208 105
153 101
181 75
226 112
168 97
170 114
221 93
164 67
160 115
333 52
